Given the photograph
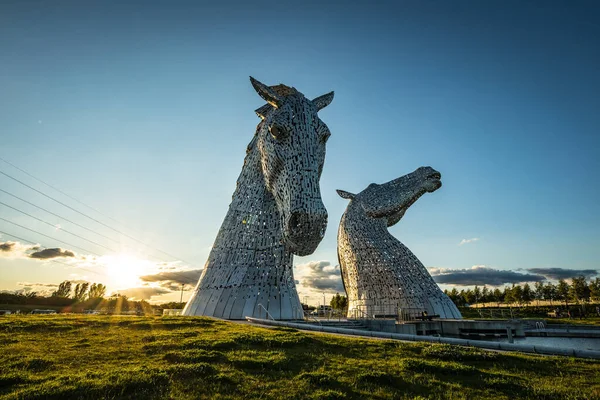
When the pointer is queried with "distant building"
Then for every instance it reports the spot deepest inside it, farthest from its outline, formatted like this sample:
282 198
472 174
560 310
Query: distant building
172 311
5 312
37 311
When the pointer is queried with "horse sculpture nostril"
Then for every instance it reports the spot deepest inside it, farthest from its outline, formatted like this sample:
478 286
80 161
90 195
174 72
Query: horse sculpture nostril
295 221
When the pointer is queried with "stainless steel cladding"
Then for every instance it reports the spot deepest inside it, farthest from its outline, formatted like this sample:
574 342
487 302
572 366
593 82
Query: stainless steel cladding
276 212
381 275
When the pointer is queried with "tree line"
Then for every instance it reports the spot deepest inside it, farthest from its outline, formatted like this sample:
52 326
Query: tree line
70 297
580 291
65 295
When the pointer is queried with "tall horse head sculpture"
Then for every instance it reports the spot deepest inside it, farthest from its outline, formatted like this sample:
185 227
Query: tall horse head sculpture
380 274
291 142
276 212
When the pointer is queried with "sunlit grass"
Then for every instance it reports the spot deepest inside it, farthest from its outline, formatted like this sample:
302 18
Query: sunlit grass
57 357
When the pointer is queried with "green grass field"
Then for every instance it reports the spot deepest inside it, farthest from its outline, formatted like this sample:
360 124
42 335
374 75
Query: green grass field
70 357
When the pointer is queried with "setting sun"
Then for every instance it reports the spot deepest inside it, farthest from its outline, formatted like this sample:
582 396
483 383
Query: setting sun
124 270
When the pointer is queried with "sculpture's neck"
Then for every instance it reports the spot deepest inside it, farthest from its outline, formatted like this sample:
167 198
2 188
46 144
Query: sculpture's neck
359 227
253 213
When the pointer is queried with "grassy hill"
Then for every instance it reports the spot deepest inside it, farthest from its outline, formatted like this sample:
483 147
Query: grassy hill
88 357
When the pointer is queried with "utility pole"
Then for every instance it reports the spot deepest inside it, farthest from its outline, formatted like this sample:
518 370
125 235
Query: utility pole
181 298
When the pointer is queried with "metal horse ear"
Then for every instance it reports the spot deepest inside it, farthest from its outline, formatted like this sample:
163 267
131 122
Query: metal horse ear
266 93
323 101
345 195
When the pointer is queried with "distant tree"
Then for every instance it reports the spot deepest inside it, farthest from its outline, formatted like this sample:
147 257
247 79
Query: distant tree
469 296
595 289
562 291
451 296
97 291
579 290
476 294
507 295
118 303
81 291
517 294
461 297
485 294
143 307
538 292
343 303
64 290
527 294
455 297
339 302
172 305
498 296
334 301
549 292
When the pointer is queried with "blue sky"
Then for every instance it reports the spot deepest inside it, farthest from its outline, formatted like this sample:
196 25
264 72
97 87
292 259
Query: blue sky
144 110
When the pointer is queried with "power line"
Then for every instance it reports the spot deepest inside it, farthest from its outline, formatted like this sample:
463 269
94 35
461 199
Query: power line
59 191
76 224
54 226
59 216
50 237
87 216
54 261
176 273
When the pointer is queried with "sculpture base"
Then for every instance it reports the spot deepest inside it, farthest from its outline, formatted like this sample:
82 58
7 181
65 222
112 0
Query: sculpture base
239 303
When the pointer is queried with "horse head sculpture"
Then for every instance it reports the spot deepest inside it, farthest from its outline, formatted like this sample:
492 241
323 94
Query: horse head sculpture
276 211
381 275
391 200
291 140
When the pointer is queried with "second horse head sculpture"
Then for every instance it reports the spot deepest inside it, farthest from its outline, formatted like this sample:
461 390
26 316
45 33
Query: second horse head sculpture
380 274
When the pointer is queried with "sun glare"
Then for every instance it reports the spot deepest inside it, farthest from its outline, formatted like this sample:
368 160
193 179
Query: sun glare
124 270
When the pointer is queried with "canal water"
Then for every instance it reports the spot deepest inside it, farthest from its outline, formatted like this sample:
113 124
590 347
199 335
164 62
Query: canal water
557 342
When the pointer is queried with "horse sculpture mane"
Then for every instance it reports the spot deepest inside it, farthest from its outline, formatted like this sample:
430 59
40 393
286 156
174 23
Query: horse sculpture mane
380 274
276 212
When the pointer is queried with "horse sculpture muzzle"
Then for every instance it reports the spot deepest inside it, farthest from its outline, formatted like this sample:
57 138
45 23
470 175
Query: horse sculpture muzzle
304 229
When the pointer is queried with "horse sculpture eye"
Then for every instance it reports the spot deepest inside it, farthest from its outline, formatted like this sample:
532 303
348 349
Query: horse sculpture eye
277 131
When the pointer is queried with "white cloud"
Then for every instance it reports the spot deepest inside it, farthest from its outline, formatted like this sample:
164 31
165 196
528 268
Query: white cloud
466 241
316 277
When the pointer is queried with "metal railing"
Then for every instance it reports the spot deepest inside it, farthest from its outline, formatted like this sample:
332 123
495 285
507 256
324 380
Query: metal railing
266 312
360 314
540 325
377 311
308 317
298 312
496 313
